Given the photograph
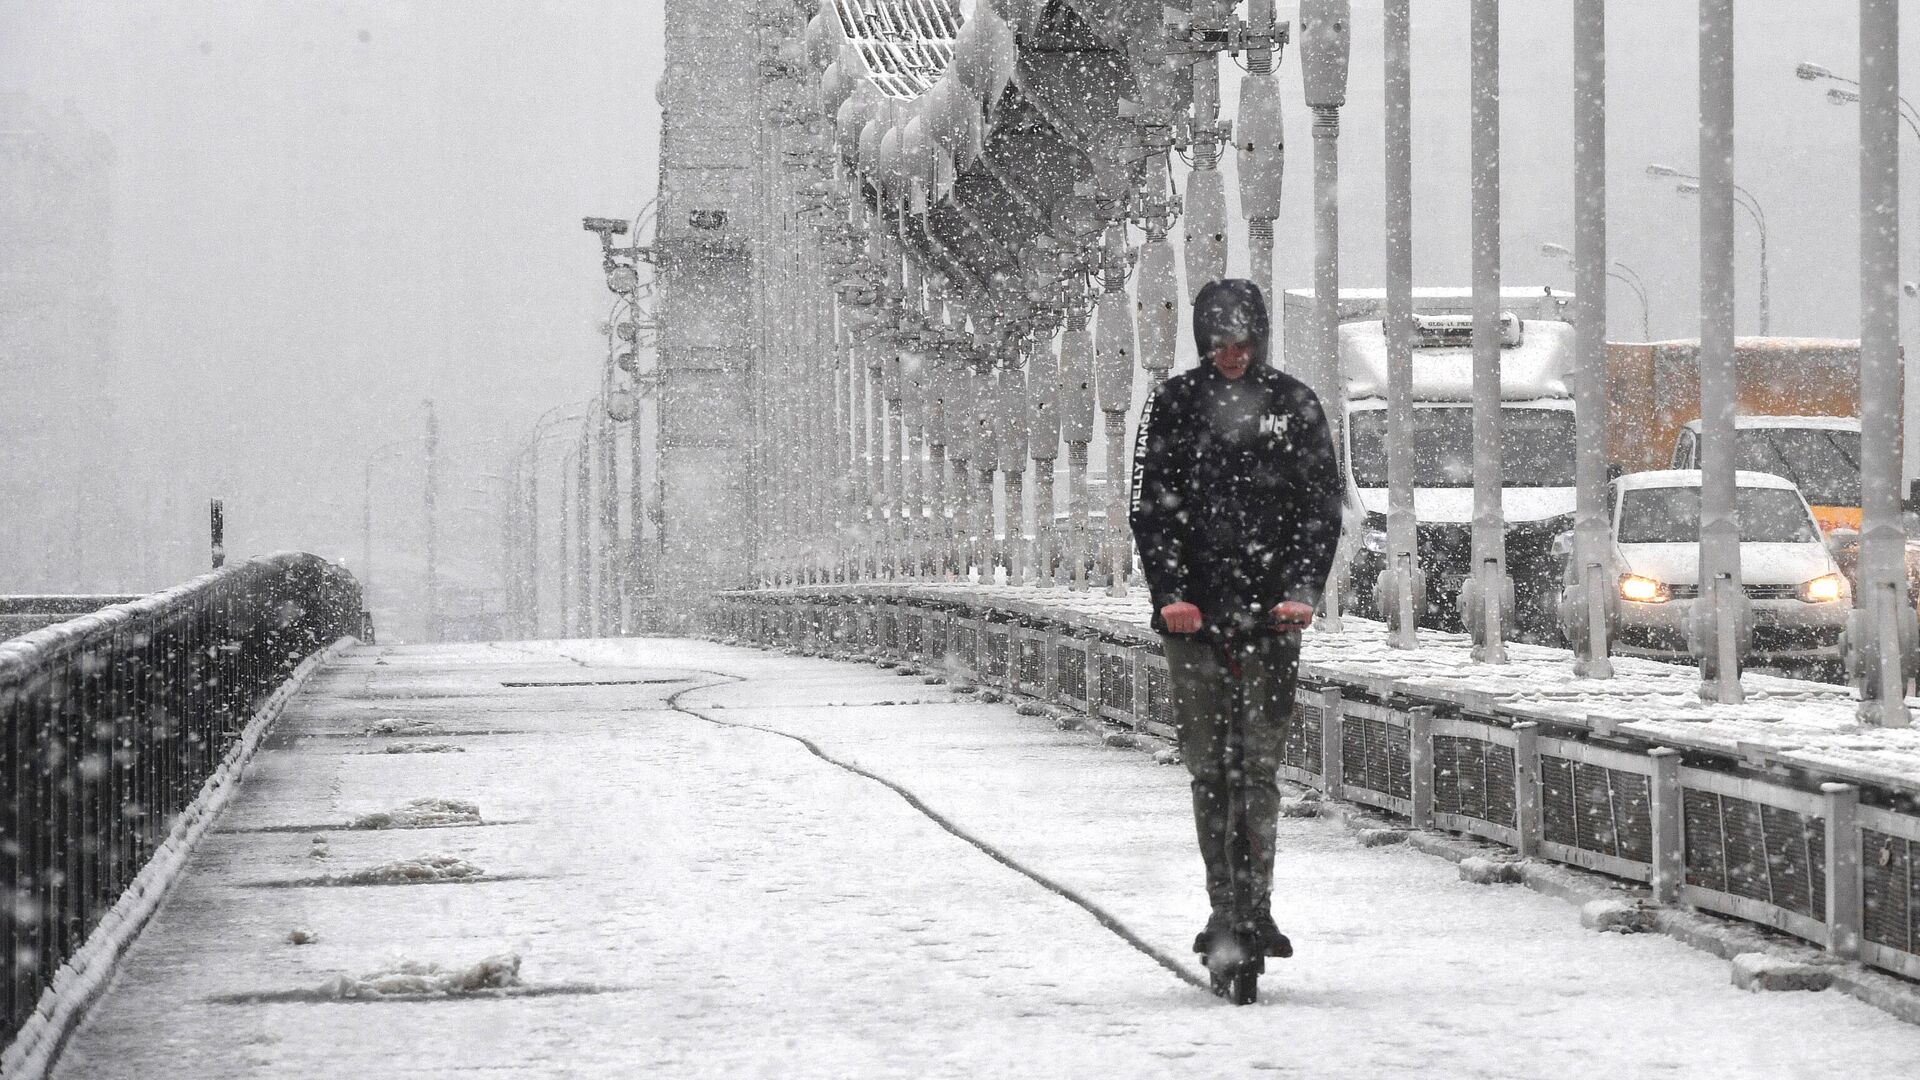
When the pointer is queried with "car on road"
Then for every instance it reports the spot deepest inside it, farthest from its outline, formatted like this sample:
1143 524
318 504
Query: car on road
1800 598
1820 454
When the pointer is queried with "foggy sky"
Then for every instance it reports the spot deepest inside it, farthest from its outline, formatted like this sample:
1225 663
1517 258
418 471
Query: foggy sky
325 213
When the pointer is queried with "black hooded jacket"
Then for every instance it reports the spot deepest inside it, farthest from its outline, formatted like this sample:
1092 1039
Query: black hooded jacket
1236 494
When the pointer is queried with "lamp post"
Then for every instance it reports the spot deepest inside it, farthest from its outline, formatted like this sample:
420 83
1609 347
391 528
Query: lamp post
527 463
1486 591
1881 631
586 613
1326 45
622 267
1689 184
433 528
1723 611
1400 594
1848 92
566 544
1592 539
1620 272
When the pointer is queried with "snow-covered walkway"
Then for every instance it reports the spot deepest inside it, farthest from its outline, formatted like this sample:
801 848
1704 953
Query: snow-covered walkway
689 896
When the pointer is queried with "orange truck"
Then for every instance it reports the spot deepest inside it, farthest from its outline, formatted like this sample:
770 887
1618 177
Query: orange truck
1798 409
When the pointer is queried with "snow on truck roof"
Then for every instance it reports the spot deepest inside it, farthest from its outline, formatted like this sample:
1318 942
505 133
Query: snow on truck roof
1666 478
1536 367
1380 404
1754 422
1531 292
1770 344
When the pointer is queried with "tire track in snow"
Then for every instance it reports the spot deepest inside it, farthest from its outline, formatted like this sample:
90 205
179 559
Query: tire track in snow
1064 892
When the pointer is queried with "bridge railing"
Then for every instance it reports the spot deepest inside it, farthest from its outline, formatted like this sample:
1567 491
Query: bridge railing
24 614
110 723
1834 863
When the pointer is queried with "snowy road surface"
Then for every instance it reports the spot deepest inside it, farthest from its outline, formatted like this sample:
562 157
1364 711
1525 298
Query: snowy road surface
689 899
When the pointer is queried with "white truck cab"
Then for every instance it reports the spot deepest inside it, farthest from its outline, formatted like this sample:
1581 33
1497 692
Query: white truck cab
1537 418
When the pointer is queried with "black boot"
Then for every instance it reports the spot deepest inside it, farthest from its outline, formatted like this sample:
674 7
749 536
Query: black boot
1219 929
1268 937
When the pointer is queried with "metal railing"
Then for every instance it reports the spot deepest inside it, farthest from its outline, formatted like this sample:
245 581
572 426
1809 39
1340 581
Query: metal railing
25 614
1834 864
114 720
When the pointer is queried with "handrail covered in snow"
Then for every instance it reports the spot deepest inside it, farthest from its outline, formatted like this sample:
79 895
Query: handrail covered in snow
25 614
113 721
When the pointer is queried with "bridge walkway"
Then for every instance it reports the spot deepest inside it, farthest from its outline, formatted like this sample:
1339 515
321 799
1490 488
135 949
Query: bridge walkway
629 864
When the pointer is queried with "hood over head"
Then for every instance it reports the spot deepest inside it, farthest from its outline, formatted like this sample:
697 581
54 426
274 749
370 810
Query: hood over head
1229 310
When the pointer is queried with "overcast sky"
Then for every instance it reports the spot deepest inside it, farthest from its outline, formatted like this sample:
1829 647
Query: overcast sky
328 212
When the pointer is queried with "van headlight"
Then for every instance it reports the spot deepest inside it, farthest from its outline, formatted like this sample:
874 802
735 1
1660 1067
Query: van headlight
1375 540
1824 589
1644 590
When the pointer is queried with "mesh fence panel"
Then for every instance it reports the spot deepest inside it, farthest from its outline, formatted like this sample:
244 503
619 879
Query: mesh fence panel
1890 894
1762 853
1374 755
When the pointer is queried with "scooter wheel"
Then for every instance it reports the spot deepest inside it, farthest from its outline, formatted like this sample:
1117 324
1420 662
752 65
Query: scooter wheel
1243 988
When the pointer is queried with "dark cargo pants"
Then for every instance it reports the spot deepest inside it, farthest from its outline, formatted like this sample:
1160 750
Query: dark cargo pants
1208 700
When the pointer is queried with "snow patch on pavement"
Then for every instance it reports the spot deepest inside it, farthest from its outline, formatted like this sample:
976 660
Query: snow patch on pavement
423 748
418 868
412 978
395 725
422 813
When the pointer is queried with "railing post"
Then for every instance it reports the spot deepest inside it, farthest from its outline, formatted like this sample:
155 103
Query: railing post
1332 767
1527 817
1091 669
1142 706
1420 757
1050 665
1844 918
1667 811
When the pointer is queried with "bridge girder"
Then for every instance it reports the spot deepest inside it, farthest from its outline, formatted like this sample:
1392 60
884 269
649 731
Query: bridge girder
1014 220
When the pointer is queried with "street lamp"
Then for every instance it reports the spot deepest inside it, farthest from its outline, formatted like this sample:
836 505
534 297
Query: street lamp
622 406
1848 93
527 463
1689 184
1620 272
1326 45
